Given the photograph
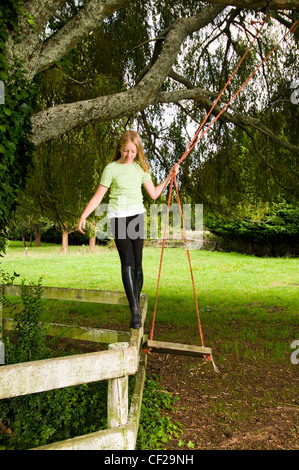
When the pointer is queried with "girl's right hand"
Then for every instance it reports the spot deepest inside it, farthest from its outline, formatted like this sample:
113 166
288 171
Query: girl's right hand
175 169
81 224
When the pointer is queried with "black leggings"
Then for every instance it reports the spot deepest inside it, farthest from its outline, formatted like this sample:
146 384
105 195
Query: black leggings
128 233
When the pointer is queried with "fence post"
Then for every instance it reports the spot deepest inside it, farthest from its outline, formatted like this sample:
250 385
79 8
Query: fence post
118 396
2 351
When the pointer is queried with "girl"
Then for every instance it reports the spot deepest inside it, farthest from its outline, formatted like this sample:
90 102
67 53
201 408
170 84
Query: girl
125 175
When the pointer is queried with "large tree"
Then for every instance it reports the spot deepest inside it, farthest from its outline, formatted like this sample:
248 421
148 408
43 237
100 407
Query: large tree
40 51
155 67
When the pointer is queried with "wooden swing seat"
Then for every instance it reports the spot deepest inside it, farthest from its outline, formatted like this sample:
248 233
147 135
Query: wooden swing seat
176 348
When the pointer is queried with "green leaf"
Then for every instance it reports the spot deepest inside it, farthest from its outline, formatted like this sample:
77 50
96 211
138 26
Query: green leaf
3 76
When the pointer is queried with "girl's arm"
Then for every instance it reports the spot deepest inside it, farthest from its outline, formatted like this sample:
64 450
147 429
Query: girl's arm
91 206
155 191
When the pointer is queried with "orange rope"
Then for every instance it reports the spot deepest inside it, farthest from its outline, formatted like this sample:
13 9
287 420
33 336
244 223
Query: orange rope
173 179
193 142
188 253
160 267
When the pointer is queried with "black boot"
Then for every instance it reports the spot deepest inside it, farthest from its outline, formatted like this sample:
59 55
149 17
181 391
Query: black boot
128 278
139 282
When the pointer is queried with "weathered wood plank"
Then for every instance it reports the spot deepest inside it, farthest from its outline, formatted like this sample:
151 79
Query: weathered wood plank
81 295
118 396
176 348
136 401
97 335
38 376
120 438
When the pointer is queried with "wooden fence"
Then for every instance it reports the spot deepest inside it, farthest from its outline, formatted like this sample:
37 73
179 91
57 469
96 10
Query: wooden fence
123 358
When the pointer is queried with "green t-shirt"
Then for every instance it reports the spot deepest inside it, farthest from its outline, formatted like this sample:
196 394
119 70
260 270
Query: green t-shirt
125 182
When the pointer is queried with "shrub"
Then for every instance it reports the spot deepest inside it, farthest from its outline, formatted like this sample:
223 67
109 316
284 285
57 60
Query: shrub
275 234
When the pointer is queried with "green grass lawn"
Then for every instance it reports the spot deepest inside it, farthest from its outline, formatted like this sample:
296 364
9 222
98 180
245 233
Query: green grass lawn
249 315
248 305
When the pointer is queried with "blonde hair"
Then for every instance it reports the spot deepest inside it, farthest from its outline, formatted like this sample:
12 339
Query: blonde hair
134 137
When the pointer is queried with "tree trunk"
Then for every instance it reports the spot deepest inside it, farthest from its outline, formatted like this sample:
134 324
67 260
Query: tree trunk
92 243
65 241
38 235
23 240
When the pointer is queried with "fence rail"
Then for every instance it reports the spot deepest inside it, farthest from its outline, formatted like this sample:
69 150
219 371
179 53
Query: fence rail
123 358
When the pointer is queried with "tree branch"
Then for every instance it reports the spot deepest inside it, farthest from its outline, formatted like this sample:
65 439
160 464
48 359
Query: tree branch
40 54
260 4
55 121
40 11
203 98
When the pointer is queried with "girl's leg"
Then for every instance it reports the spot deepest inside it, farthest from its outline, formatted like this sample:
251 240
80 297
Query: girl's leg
127 257
137 245
122 241
129 282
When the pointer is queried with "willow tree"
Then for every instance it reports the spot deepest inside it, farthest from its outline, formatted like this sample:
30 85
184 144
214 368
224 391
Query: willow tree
191 17
39 34
64 173
67 170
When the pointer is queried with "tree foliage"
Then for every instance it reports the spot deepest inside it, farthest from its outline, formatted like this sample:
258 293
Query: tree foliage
275 233
16 147
234 165
162 64
67 170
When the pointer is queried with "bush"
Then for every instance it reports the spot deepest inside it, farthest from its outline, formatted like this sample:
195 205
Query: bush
35 420
28 343
156 427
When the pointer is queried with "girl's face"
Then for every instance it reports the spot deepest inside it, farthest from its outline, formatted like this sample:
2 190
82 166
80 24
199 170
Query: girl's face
128 152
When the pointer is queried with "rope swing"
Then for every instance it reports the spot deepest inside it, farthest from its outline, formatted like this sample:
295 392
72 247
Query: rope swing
159 346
